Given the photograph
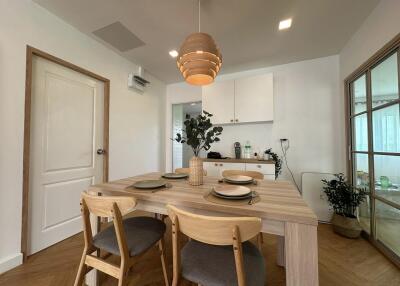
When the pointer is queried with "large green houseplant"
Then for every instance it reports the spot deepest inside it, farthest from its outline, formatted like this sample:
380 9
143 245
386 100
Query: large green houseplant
199 133
344 200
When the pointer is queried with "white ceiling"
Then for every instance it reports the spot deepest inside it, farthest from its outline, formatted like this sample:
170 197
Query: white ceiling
246 31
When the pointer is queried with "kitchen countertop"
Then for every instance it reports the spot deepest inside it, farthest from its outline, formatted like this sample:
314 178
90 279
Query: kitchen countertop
232 160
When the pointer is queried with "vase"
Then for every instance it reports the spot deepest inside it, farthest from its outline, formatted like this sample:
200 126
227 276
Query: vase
346 226
195 171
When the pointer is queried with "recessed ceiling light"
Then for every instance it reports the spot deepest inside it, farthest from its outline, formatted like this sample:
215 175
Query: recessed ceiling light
285 24
193 104
173 53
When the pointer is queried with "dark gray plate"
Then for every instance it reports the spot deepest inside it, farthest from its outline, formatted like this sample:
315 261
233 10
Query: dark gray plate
175 176
149 184
245 197
238 182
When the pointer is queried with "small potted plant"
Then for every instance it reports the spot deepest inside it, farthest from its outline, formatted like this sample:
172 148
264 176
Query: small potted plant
277 160
344 199
199 134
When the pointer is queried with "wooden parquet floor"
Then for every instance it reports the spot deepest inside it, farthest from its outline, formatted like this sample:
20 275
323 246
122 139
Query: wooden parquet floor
342 262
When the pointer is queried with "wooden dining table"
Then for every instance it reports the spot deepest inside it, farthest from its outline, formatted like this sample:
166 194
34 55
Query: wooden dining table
281 208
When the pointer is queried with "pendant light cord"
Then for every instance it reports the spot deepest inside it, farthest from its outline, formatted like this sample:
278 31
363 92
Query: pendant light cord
199 16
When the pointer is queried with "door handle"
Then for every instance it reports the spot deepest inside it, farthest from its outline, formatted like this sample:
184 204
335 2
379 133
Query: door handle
101 151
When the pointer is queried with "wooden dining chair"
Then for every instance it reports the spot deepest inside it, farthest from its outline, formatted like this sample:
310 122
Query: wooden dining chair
254 174
218 252
187 171
127 238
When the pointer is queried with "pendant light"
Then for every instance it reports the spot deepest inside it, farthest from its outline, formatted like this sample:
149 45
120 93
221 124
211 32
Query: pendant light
199 59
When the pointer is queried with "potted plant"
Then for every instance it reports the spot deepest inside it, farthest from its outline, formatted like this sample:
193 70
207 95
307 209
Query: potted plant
277 160
199 134
344 199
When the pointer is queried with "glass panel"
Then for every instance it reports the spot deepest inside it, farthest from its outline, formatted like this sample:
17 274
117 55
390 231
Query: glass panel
386 129
360 168
384 81
364 215
387 221
387 177
181 153
177 124
359 95
360 133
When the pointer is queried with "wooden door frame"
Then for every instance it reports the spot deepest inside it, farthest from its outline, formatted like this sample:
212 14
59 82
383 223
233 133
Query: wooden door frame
30 53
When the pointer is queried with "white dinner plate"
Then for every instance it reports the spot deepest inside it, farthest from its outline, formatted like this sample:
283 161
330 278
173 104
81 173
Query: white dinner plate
232 191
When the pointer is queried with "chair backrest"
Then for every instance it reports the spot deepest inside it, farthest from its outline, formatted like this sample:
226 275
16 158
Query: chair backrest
253 174
106 206
214 230
103 206
187 171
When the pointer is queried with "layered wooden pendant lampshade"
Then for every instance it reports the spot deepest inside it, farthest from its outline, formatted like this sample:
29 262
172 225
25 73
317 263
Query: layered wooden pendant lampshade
199 59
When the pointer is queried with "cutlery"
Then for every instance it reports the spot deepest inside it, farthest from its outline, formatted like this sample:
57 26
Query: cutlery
253 196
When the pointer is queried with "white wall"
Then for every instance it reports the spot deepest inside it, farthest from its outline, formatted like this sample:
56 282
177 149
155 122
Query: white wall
136 131
308 109
379 28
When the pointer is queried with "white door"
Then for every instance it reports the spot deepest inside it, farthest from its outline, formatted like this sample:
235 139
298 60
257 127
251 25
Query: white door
218 99
66 131
254 98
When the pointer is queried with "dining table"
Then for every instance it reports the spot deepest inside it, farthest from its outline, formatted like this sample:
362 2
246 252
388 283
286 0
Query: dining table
281 208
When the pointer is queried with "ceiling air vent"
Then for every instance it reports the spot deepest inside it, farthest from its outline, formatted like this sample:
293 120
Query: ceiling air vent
119 36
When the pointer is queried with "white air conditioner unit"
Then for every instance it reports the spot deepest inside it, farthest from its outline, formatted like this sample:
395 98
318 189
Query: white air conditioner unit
137 81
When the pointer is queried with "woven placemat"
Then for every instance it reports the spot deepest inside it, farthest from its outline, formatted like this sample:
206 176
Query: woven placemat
211 198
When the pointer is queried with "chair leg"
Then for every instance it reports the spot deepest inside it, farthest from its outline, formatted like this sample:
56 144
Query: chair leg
123 279
80 276
260 241
163 263
175 281
123 272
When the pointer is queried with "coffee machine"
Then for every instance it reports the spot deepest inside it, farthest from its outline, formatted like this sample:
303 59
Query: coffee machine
238 150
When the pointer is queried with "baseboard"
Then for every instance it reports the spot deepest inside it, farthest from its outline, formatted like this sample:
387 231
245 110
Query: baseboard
10 262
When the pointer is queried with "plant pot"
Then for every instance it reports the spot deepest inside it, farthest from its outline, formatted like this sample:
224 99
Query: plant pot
346 226
195 171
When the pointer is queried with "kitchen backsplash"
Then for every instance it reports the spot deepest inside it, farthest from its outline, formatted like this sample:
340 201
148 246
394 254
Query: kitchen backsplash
258 134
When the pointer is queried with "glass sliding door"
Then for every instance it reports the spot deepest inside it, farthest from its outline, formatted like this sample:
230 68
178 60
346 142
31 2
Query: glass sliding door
181 153
374 148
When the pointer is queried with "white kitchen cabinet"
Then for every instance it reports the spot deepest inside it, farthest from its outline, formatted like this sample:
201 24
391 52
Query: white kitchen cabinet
218 99
266 169
211 169
242 100
254 99
216 168
269 177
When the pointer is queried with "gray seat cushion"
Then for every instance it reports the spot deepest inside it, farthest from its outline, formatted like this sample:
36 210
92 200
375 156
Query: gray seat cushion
214 265
141 233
